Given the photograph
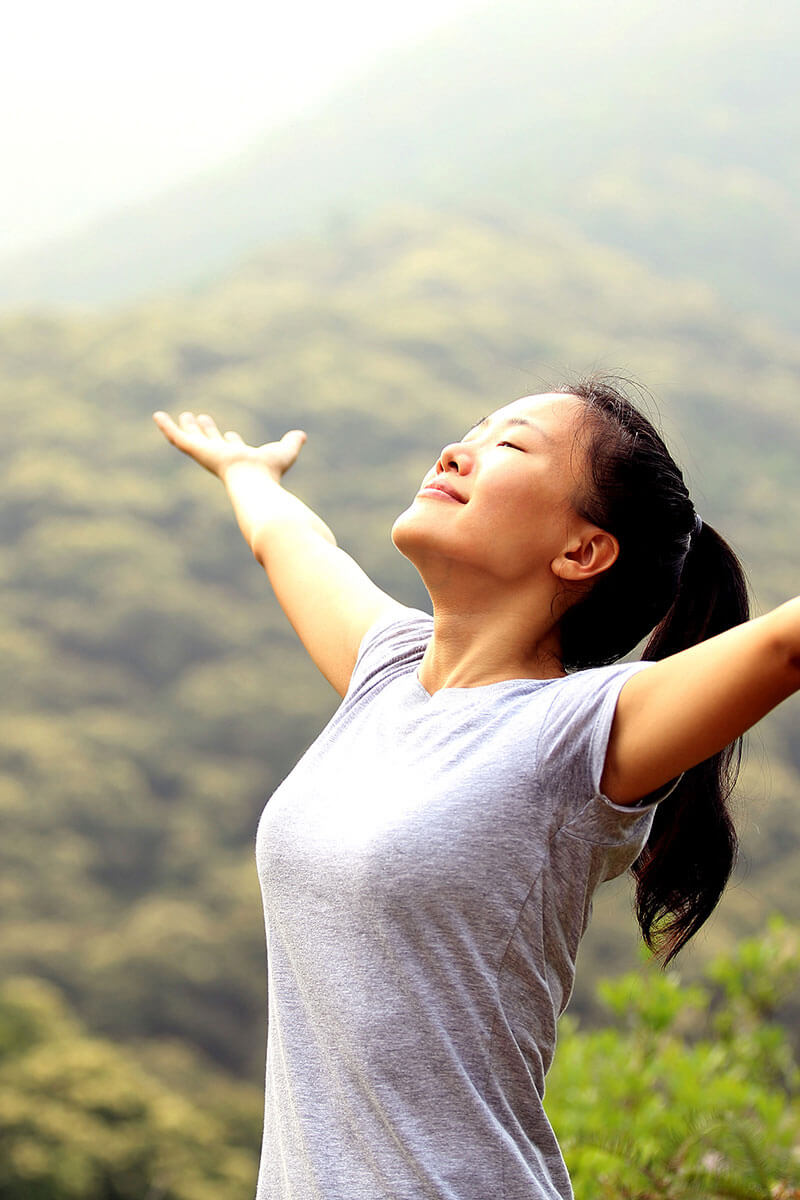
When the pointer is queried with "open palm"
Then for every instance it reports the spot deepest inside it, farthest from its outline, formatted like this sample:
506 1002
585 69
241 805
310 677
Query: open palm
199 437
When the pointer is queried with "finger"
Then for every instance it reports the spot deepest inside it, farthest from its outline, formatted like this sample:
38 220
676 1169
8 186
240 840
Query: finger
179 438
292 443
208 425
168 427
188 422
163 420
231 436
294 439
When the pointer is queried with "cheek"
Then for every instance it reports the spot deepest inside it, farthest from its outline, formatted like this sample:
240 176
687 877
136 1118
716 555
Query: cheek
540 491
513 493
531 514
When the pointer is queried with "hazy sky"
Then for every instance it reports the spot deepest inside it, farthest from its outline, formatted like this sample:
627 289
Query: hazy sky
104 104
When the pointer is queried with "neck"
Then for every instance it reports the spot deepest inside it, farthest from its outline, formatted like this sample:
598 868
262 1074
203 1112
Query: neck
483 634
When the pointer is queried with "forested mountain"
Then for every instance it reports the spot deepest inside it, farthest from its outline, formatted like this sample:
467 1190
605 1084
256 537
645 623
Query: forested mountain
524 196
153 693
665 130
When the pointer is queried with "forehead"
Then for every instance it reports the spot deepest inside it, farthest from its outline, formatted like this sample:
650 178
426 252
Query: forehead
553 410
557 415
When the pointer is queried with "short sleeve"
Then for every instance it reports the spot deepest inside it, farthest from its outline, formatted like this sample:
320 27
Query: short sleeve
393 645
572 750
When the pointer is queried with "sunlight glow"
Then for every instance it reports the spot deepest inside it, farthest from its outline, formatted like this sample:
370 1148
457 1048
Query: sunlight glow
104 105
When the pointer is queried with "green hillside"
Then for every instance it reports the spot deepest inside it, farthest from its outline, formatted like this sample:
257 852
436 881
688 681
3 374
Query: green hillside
667 131
153 693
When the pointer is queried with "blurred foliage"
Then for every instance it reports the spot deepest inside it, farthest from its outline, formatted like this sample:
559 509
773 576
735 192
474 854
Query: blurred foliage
691 1093
153 694
83 1120
694 1094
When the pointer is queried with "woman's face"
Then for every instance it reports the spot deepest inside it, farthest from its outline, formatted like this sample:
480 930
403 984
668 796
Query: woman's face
499 501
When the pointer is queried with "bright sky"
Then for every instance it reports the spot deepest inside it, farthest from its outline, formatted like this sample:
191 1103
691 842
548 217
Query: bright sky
103 104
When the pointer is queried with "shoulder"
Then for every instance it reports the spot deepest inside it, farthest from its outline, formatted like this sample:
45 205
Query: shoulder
576 725
581 696
394 644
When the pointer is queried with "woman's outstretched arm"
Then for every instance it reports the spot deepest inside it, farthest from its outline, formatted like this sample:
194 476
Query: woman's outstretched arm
329 600
692 704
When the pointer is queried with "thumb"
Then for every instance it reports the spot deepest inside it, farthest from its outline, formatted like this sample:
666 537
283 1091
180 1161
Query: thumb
291 444
295 437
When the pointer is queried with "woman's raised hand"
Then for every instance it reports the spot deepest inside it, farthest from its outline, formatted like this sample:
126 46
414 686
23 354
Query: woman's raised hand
199 437
327 597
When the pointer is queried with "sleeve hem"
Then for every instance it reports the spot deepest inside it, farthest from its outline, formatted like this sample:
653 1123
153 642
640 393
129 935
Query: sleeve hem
647 802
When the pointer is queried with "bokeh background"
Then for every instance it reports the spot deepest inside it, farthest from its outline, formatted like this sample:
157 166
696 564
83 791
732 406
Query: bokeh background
375 223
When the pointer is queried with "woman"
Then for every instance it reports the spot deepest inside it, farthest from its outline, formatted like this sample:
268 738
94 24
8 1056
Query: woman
428 867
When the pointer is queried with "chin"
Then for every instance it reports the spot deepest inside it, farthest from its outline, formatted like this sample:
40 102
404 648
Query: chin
400 529
413 532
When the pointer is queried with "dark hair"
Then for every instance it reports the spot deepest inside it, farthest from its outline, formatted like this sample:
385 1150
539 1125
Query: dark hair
676 582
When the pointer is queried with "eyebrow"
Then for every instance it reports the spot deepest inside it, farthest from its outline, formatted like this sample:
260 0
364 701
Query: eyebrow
484 421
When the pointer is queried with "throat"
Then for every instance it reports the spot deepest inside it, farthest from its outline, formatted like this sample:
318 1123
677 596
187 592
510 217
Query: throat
479 668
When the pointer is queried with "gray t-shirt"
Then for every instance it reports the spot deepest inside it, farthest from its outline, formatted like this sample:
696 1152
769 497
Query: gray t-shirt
427 871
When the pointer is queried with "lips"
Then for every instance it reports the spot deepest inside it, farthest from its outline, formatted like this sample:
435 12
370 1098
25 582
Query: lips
443 487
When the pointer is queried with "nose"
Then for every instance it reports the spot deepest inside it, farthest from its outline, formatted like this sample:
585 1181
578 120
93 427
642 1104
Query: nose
454 457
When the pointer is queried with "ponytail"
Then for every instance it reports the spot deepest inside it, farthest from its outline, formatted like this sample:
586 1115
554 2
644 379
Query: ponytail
691 851
675 583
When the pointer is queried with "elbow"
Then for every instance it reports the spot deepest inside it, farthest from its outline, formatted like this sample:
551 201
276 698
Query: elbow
258 541
784 641
259 550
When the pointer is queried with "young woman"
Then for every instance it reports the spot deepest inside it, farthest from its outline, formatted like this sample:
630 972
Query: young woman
428 867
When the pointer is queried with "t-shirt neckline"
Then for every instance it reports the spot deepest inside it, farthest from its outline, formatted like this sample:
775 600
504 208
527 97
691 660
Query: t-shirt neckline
483 687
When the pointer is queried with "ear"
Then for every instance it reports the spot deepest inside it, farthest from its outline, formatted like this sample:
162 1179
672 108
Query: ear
586 556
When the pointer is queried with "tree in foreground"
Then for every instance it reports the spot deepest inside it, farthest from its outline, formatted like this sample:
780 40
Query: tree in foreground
694 1093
